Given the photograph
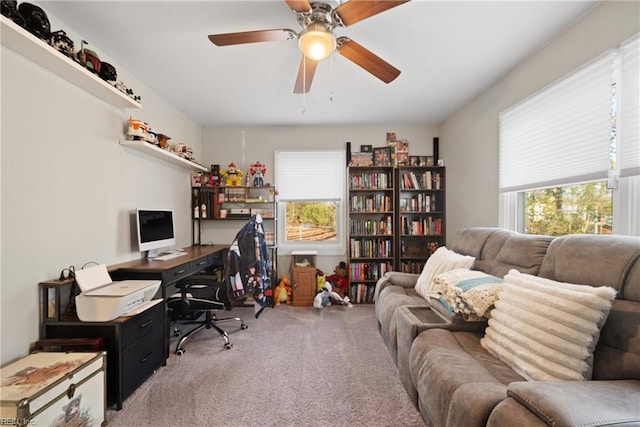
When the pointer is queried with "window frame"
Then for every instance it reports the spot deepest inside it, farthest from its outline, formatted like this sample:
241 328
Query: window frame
335 247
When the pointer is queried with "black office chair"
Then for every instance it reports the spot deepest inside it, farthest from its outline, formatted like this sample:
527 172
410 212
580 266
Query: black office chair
246 273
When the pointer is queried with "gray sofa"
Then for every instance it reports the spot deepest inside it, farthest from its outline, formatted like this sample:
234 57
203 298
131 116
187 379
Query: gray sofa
454 381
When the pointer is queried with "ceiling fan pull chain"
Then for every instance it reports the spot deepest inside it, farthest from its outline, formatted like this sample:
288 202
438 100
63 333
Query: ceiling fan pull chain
331 77
304 85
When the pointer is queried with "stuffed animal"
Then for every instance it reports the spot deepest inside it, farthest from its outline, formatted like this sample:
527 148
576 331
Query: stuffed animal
233 174
340 278
321 280
323 299
282 292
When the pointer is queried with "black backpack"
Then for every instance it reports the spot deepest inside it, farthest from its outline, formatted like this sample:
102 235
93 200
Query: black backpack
36 20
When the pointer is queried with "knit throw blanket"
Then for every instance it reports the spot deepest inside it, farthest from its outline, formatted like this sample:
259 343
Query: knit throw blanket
469 293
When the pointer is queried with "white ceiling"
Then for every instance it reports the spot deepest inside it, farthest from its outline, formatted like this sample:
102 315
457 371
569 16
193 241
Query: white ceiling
448 51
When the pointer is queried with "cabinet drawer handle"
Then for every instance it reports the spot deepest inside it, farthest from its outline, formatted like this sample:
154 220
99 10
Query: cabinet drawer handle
144 359
145 324
180 272
200 263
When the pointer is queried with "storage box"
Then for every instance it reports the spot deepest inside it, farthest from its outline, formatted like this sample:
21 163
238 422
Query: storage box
54 389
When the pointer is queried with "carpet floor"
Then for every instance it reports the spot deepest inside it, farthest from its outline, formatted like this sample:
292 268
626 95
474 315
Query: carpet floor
293 366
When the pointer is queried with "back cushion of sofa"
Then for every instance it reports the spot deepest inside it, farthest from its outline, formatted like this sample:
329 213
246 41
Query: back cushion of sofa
471 241
524 252
599 260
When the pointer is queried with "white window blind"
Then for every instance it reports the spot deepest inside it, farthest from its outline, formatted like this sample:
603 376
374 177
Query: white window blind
561 134
310 175
629 115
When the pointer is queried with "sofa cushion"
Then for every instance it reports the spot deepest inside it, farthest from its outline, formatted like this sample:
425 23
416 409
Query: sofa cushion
458 382
547 330
442 260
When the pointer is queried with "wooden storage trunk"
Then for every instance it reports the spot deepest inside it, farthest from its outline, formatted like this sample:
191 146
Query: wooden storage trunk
54 389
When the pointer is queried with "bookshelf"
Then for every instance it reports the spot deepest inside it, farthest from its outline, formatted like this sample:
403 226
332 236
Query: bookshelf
421 215
372 224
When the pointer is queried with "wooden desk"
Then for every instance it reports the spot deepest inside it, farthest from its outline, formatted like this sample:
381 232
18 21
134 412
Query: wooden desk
138 345
169 272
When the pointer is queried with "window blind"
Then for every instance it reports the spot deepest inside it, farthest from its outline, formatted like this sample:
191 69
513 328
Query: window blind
310 175
561 134
629 119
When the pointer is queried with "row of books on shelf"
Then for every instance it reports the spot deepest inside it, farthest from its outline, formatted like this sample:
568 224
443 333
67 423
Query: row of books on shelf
420 181
371 181
428 226
368 270
418 203
370 248
414 267
371 203
361 293
412 248
371 226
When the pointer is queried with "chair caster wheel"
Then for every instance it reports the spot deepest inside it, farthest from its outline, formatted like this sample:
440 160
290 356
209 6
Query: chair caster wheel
228 346
180 352
244 327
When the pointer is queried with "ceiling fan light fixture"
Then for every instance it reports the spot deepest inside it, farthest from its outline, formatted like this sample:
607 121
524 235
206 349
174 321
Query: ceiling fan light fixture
316 42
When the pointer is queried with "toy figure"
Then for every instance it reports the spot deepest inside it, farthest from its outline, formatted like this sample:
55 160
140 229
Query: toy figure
282 293
234 175
258 170
323 299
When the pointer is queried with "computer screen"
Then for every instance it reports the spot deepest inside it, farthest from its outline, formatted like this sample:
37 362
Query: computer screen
155 229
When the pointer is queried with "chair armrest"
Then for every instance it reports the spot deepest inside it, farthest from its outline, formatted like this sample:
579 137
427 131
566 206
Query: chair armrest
580 402
396 278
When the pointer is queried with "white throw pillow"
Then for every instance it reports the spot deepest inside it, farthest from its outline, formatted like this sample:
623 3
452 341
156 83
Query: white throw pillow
547 330
441 261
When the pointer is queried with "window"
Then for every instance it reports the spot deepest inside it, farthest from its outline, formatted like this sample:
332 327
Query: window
311 187
560 150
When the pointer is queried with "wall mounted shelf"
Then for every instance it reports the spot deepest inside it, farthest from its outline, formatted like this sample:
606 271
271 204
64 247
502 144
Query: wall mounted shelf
26 44
161 154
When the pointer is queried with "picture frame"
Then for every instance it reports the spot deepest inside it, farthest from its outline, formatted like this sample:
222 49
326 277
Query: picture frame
428 161
415 161
361 159
382 156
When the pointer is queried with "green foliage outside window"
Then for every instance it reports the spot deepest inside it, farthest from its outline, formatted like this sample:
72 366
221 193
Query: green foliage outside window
582 208
311 221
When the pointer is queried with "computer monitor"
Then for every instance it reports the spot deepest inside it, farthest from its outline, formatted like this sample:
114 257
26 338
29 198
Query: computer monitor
155 230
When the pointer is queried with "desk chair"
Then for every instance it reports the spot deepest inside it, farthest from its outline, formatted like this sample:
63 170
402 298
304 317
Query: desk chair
246 273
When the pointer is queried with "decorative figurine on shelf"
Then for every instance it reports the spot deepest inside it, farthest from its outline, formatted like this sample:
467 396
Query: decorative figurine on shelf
138 129
282 292
233 175
323 299
258 170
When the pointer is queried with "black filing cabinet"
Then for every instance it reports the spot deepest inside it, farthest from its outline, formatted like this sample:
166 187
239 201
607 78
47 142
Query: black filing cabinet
135 347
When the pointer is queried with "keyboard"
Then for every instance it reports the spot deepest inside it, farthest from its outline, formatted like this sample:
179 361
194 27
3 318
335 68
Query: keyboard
167 257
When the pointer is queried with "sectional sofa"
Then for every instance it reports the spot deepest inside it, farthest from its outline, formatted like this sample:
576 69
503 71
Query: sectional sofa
455 377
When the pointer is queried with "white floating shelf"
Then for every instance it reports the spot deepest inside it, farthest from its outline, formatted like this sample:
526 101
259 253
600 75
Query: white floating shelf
26 44
159 153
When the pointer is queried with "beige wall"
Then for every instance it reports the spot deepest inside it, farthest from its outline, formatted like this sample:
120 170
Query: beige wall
69 188
222 145
469 137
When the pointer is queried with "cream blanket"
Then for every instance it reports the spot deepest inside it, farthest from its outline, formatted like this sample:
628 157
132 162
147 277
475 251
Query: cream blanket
468 292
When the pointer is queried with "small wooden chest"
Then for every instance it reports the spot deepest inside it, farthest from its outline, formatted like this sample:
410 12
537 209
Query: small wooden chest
54 389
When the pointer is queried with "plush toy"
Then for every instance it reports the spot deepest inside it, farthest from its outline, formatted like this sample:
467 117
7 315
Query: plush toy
321 280
233 174
340 278
282 293
323 299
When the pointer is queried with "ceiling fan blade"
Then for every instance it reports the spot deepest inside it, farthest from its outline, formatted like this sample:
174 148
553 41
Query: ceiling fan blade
299 5
356 10
366 59
305 75
252 37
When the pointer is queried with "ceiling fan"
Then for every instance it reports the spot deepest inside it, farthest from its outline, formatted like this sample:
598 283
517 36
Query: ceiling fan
316 40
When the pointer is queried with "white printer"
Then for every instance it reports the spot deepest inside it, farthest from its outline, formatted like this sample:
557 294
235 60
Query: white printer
102 299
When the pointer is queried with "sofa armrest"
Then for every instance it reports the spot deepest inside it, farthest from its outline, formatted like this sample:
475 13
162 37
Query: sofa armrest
580 403
396 278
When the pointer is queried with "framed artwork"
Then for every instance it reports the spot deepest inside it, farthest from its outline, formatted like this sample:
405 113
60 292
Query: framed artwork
415 161
428 160
382 156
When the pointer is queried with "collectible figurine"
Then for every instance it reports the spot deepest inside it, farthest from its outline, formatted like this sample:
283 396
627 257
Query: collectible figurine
233 175
258 170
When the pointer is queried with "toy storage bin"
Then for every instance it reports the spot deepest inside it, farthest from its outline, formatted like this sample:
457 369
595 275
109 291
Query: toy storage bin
54 389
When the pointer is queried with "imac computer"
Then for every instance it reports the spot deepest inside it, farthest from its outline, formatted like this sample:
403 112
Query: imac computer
156 233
